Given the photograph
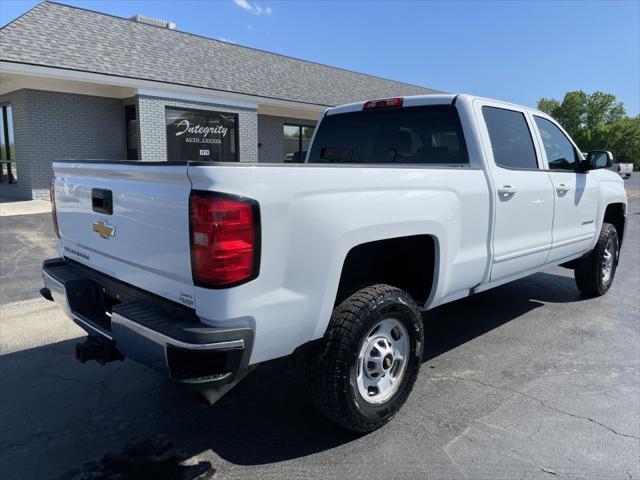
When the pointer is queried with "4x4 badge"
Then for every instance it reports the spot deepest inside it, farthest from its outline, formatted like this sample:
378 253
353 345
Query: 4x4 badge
104 229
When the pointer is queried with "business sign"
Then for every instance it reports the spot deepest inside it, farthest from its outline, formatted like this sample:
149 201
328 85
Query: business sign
201 135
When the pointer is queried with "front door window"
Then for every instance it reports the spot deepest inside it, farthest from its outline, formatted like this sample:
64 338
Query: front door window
560 152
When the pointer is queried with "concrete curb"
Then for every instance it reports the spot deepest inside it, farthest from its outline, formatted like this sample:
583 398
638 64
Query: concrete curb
28 207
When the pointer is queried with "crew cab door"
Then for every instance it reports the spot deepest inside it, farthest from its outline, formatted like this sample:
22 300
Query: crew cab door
523 192
575 193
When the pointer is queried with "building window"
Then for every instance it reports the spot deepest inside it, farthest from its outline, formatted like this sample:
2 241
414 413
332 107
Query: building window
297 139
8 173
201 135
131 124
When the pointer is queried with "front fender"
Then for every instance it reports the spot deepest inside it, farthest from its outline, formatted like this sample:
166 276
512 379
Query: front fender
611 191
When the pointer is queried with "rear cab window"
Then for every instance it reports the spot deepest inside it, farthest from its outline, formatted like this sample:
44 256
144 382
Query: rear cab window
421 135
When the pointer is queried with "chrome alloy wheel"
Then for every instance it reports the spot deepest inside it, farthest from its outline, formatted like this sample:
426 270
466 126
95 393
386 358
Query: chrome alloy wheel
382 360
608 258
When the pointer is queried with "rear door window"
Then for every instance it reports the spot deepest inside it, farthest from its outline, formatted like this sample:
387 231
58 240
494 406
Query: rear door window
510 137
410 135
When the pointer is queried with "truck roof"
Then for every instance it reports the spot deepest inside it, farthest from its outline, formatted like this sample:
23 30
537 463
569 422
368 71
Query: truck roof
418 100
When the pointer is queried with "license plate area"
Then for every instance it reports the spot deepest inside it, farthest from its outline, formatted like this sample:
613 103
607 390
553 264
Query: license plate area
92 297
92 301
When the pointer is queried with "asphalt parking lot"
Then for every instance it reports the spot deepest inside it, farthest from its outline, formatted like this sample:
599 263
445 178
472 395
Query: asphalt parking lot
529 380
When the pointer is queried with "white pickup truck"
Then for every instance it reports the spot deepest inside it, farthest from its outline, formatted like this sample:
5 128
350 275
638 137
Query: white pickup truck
623 169
203 271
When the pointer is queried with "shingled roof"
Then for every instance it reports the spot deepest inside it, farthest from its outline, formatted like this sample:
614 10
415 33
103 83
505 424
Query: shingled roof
61 36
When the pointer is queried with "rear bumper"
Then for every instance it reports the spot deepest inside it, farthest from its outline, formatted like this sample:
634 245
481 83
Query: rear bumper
149 329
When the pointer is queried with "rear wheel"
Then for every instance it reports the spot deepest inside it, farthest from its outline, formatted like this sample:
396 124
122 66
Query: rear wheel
369 360
594 273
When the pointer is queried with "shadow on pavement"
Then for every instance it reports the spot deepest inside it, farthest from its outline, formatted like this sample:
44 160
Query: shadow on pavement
456 323
143 460
136 422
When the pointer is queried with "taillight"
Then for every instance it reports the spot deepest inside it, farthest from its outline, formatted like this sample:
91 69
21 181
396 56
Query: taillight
383 103
54 215
225 239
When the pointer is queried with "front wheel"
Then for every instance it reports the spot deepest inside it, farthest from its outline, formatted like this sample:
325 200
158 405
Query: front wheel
369 359
594 273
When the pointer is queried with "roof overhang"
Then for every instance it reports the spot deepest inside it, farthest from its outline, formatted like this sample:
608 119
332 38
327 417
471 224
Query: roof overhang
15 76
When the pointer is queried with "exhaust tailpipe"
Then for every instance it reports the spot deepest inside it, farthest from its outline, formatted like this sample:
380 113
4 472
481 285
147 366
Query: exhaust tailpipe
46 294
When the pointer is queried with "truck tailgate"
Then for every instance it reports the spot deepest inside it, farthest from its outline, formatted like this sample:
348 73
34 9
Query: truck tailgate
128 221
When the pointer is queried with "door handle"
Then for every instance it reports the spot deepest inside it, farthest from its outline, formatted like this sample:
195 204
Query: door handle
562 188
507 190
102 201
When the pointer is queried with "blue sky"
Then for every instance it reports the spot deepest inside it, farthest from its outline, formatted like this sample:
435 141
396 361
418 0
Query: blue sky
517 51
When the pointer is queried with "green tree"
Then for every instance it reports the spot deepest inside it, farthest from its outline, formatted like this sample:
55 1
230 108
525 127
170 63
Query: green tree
603 109
572 113
623 139
597 121
548 106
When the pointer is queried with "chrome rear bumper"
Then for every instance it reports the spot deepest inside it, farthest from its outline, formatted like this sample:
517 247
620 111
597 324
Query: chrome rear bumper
148 329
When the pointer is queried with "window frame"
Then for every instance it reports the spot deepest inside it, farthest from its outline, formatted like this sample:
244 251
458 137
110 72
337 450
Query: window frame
533 133
132 107
205 112
299 126
576 151
9 162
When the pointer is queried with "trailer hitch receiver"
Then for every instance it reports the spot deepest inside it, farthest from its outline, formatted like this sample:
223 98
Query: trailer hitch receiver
102 351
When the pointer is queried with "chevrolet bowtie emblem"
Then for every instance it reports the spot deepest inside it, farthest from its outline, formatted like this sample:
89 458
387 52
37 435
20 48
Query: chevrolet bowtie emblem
104 229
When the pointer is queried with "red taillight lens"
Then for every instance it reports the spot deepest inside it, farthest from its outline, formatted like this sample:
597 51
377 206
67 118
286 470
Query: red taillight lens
224 239
54 215
383 103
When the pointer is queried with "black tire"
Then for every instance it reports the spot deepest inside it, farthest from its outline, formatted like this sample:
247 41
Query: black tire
332 375
589 271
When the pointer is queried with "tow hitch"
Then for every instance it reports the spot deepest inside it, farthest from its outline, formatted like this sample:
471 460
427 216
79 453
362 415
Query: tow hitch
102 351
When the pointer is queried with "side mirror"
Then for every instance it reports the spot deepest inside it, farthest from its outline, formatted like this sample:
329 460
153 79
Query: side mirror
598 159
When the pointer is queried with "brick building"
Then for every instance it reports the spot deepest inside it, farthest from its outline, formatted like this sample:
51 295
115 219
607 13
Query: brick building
78 84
